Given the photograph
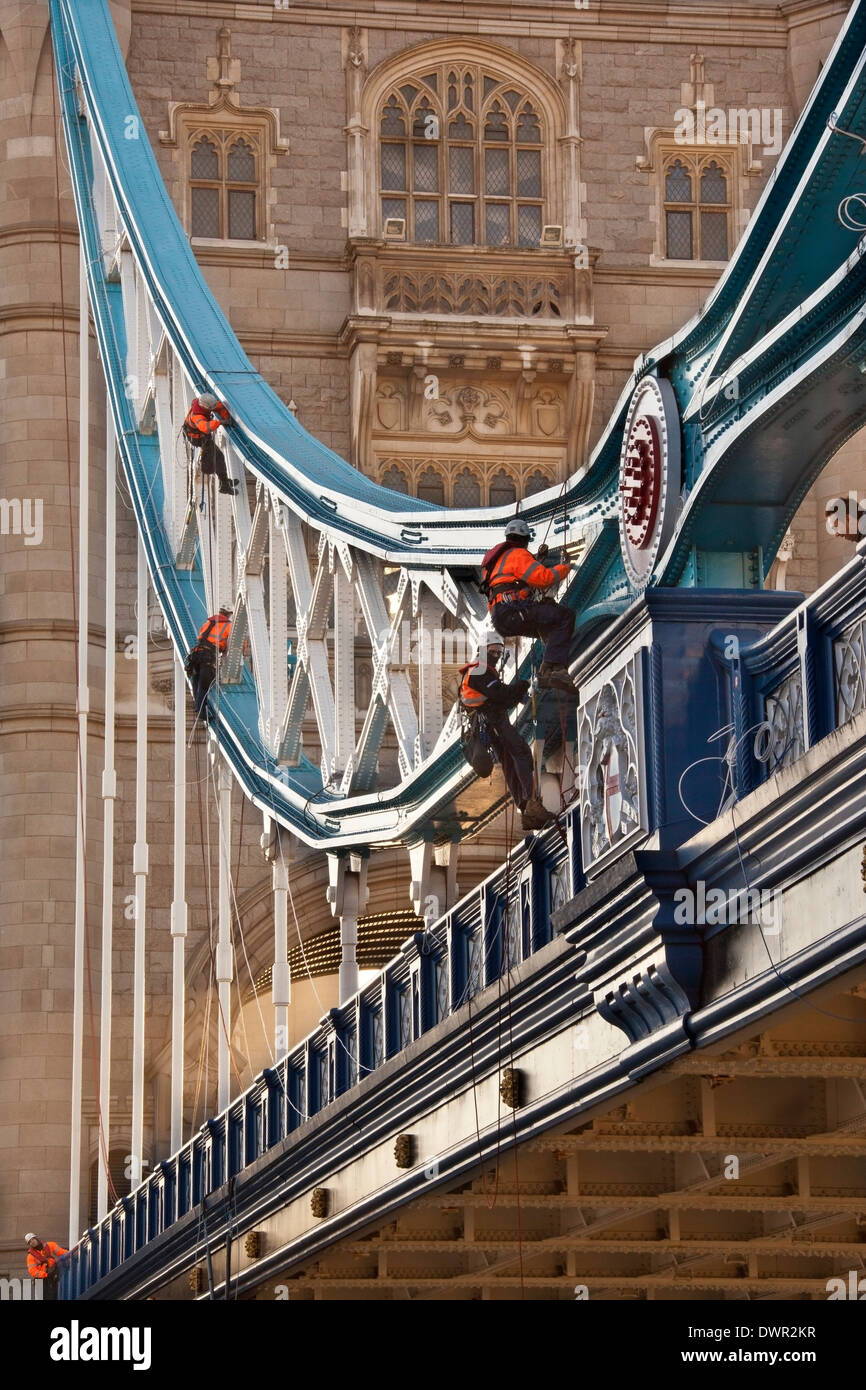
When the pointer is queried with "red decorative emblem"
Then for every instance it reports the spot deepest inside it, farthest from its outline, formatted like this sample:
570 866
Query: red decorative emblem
641 481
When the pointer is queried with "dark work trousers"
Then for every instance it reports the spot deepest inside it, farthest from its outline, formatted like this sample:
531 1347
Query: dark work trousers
202 674
212 459
514 754
547 619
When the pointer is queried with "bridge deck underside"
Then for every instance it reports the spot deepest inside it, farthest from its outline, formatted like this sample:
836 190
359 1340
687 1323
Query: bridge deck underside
734 1176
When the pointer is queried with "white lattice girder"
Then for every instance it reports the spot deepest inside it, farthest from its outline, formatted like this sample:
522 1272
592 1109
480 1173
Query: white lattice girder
345 606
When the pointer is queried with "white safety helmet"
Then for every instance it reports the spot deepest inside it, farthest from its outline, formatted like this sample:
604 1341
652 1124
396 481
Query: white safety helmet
517 527
207 400
488 637
31 1235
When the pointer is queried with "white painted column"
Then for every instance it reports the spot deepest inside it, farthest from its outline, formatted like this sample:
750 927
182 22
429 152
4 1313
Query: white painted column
224 954
347 894
281 977
83 702
344 667
178 909
140 868
109 792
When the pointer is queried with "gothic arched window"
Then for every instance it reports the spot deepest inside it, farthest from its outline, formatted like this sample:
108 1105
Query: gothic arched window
697 205
460 159
502 489
536 482
431 486
395 479
225 185
467 489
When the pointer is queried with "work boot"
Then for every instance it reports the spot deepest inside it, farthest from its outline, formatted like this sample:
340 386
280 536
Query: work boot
552 677
230 486
534 815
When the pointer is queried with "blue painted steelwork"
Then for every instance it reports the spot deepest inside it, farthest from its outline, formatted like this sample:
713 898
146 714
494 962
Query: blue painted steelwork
288 1102
748 457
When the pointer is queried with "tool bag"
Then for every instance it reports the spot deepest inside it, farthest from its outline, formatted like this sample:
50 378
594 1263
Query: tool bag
476 747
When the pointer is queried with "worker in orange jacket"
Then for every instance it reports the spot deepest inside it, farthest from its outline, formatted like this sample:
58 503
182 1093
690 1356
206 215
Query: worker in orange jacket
486 700
201 663
203 419
43 1262
516 583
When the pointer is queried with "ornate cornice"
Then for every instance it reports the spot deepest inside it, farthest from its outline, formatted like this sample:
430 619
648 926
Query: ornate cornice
744 25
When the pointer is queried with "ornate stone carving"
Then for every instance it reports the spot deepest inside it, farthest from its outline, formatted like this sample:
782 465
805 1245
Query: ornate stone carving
609 736
484 470
224 71
390 406
515 296
547 412
469 410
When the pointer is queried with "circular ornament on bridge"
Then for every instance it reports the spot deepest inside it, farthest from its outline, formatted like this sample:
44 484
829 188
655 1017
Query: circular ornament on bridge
649 477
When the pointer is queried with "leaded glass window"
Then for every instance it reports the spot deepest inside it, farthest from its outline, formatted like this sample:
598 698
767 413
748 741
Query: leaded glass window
225 185
467 490
394 478
502 490
471 168
431 487
536 482
697 208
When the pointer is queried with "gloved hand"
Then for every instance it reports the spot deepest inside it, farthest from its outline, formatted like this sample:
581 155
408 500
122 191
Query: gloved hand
520 688
543 551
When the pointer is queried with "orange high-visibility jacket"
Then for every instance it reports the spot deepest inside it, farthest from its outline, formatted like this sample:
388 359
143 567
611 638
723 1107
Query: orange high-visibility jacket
481 686
470 698
206 421
39 1262
216 631
512 569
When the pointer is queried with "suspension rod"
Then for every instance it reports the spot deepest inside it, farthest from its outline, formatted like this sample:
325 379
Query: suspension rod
140 868
81 780
224 963
178 909
109 792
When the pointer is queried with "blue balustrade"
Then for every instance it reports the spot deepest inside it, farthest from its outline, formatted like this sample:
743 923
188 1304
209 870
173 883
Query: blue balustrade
435 973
